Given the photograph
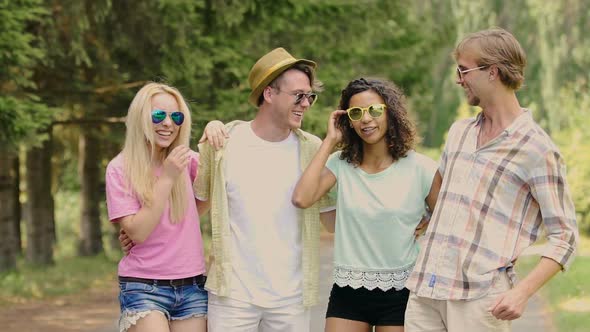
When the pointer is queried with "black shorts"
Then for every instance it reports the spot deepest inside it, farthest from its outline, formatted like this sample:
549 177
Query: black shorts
375 307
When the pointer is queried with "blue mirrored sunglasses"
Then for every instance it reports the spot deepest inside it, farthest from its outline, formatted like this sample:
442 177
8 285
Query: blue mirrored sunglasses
159 116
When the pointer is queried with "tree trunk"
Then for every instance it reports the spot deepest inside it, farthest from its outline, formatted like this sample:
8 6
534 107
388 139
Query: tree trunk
40 207
90 241
109 149
18 246
113 239
8 241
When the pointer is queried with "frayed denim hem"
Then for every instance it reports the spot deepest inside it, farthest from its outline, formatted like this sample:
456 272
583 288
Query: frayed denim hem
129 318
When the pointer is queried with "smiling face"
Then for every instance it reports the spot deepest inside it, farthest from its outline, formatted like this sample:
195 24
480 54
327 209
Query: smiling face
287 113
166 131
370 130
474 83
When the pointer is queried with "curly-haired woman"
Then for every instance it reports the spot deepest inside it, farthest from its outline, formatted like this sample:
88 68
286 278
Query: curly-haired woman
384 187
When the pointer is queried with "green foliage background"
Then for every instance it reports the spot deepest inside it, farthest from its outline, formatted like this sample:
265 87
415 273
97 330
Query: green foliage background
67 61
62 60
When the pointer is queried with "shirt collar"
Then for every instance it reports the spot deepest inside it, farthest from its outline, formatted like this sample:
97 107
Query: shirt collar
516 125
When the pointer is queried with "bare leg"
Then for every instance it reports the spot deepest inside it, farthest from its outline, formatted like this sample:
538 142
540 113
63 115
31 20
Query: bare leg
389 329
155 321
334 324
195 324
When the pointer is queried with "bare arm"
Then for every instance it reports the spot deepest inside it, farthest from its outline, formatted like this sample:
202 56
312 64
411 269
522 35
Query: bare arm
430 202
328 219
511 305
317 179
434 190
140 225
203 206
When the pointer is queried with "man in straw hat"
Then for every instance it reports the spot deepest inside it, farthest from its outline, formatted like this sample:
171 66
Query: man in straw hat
264 271
501 178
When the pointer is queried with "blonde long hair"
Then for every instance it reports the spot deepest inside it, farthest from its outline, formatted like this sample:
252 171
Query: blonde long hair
139 149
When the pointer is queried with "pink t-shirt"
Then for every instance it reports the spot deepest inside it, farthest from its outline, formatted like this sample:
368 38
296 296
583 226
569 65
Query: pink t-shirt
171 251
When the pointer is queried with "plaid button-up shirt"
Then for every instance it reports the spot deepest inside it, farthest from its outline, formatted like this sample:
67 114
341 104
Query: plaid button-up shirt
491 206
210 185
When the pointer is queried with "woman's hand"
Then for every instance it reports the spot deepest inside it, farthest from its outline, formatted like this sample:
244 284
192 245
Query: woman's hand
215 133
176 162
334 134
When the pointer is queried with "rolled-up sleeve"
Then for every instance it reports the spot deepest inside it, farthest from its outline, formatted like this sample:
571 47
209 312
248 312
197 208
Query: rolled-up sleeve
549 188
202 185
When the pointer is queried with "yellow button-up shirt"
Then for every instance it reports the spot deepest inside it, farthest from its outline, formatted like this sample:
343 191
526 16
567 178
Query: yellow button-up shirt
210 185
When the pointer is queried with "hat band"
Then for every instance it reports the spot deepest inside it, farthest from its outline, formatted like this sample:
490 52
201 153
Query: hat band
272 70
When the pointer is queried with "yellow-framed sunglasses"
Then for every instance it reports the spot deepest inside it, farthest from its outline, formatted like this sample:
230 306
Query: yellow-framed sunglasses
357 113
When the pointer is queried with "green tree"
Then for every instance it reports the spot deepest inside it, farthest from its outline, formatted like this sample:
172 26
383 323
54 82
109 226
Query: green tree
21 113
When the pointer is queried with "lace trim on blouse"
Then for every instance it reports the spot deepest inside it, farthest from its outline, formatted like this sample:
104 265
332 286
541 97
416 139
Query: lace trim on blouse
371 279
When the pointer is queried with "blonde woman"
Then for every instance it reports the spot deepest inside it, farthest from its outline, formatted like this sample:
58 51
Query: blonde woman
149 193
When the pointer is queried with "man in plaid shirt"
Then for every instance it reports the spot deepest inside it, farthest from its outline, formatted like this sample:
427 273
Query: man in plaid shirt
502 180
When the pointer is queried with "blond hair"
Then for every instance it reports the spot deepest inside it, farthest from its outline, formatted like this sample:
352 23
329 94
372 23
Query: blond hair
139 149
498 47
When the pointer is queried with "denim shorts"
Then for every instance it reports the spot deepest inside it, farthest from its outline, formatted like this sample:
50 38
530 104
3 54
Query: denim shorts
137 299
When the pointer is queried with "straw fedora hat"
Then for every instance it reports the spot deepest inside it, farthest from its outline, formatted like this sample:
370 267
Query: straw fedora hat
268 68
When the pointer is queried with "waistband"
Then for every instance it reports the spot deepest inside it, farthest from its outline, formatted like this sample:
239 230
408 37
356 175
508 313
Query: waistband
196 280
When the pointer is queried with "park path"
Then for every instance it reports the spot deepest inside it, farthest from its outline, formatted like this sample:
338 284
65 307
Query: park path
97 310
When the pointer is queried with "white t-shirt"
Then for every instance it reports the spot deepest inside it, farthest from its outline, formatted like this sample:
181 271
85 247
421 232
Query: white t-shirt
376 215
265 234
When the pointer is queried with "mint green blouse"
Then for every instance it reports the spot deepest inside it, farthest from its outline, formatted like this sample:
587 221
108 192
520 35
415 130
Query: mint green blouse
376 215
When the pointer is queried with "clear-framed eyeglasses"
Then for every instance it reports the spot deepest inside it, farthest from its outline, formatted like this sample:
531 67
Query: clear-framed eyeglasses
462 72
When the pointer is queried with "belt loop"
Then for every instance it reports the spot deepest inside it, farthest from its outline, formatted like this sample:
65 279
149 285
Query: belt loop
194 281
155 283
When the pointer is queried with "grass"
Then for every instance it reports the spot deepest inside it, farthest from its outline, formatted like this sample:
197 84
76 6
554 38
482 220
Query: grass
568 294
70 274
67 276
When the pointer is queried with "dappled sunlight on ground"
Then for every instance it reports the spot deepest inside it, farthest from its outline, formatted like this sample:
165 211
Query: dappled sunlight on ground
578 304
584 246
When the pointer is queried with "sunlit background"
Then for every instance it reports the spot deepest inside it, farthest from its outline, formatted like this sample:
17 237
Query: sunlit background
68 71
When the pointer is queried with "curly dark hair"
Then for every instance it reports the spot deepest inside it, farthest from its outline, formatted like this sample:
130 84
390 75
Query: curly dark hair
401 133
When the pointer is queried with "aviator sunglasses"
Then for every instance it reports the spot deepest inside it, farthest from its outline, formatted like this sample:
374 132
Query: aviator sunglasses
357 113
311 97
159 116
